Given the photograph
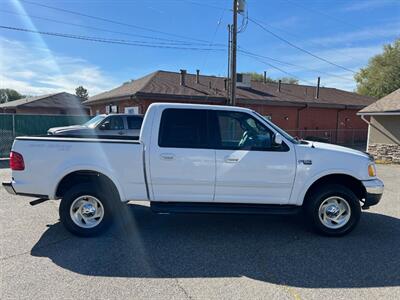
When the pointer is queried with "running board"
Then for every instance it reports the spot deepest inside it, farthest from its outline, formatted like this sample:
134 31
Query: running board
223 208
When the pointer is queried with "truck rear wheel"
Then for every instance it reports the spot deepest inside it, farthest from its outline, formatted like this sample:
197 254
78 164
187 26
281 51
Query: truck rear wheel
85 210
333 210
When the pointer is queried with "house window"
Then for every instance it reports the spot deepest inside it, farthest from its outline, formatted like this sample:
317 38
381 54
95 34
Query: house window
114 109
111 109
132 110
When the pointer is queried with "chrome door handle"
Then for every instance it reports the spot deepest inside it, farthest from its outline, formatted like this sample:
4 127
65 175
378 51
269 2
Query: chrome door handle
167 156
231 159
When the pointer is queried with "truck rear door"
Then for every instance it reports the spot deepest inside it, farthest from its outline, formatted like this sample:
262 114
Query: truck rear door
182 163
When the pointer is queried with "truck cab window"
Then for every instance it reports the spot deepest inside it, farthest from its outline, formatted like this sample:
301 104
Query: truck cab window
183 128
240 131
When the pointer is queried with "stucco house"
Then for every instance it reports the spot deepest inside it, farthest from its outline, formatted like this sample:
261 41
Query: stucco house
383 117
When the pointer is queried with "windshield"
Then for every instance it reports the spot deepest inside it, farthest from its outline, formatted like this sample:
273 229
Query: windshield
279 130
92 123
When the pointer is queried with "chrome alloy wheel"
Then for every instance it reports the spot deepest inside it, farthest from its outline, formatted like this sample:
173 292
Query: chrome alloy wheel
87 211
334 212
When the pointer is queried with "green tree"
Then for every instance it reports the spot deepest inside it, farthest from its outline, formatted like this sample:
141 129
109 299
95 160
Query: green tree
7 95
260 77
289 80
82 93
382 74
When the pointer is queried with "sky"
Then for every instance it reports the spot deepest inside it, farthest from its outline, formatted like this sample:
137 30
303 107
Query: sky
286 38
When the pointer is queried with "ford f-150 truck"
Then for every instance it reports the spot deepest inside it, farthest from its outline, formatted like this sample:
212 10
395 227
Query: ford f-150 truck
197 158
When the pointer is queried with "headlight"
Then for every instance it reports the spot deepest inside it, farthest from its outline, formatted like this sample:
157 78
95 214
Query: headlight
371 170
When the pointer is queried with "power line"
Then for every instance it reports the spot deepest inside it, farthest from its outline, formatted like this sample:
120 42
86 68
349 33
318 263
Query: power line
312 42
242 50
170 41
323 13
299 48
277 68
207 5
213 38
113 21
105 40
277 28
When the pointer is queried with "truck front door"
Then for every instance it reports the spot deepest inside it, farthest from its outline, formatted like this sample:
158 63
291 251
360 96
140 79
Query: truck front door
250 168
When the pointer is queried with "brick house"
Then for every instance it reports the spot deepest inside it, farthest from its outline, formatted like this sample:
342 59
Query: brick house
295 108
53 104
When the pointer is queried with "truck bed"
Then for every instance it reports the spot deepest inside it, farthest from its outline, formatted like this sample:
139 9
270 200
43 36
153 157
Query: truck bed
53 157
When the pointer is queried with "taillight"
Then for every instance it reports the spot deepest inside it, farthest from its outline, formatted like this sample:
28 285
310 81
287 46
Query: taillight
16 161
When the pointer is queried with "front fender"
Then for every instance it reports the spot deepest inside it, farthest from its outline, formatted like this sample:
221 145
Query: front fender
303 185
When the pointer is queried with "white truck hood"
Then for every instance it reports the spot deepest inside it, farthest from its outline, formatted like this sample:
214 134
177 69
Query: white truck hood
336 148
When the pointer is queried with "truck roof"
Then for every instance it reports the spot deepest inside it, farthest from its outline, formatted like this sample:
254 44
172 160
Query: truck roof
118 114
200 106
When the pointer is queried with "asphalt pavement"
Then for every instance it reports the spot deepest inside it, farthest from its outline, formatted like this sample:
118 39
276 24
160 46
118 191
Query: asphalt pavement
199 256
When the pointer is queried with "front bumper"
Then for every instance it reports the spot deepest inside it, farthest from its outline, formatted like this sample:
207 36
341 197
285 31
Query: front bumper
9 188
374 190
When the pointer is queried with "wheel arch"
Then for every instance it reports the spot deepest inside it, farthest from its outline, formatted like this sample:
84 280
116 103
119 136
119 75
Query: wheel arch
349 181
82 176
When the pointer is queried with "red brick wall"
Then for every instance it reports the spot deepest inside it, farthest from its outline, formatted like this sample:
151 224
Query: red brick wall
284 116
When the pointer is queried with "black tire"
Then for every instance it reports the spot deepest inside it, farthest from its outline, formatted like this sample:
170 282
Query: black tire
107 199
316 198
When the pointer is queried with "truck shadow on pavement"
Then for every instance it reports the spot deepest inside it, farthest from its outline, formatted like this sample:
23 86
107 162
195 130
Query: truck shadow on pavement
275 249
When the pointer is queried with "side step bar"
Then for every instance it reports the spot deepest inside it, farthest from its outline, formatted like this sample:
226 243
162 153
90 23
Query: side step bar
223 208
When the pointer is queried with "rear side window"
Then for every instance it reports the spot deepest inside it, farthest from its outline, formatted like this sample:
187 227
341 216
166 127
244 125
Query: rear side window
183 128
134 122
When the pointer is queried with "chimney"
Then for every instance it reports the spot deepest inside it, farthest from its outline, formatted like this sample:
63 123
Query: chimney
225 84
317 91
183 77
197 76
265 77
209 85
279 85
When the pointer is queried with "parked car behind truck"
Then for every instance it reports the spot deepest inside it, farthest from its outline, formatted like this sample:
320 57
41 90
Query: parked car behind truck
197 158
103 125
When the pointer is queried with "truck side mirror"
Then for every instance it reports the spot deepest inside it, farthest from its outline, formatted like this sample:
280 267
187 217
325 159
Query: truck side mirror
278 139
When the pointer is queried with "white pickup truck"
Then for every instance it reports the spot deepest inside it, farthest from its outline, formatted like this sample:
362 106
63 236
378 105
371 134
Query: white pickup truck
197 158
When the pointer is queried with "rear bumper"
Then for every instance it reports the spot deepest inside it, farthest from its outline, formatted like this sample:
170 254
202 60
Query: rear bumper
374 190
9 188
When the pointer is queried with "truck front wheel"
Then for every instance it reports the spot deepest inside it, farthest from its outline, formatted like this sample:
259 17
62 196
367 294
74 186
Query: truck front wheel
85 210
333 210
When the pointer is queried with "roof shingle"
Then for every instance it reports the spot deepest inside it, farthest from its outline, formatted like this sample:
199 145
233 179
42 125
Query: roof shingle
167 84
388 104
57 100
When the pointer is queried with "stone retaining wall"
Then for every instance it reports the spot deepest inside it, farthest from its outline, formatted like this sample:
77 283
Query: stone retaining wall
387 153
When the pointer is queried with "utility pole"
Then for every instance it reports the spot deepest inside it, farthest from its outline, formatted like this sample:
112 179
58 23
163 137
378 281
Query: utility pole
233 56
228 87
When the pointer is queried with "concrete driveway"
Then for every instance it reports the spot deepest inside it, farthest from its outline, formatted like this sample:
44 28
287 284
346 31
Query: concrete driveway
199 256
